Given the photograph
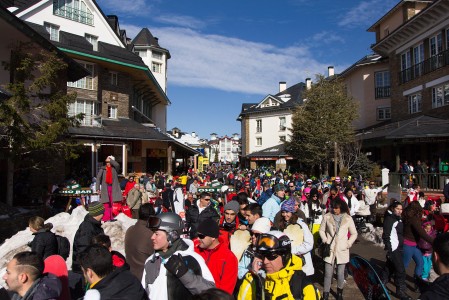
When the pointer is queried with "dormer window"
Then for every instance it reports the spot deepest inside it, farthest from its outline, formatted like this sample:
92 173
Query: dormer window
53 30
93 40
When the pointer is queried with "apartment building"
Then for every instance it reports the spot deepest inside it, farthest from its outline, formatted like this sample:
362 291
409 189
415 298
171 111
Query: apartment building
266 125
414 37
124 106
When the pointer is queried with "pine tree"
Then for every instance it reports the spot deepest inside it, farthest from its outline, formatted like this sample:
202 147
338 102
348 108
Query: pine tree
322 122
34 119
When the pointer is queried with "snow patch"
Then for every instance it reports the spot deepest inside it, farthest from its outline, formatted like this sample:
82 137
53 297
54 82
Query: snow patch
65 224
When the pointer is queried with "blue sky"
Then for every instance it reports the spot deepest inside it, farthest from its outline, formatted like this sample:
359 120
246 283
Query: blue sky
225 53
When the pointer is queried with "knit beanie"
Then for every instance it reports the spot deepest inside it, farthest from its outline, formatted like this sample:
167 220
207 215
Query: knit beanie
232 205
288 205
209 228
95 209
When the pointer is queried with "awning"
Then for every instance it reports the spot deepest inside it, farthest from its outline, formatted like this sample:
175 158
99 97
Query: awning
271 153
421 127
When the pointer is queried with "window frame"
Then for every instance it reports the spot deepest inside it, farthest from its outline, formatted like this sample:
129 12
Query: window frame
93 40
385 110
112 111
88 119
382 84
258 141
413 107
444 95
156 67
48 27
282 123
114 78
258 125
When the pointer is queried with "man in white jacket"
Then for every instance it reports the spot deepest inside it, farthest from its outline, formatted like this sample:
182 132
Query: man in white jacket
174 271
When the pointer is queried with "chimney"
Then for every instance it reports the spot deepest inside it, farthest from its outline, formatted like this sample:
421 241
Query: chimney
282 86
193 134
330 71
308 83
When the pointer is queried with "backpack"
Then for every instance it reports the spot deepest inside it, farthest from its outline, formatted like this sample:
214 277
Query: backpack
63 246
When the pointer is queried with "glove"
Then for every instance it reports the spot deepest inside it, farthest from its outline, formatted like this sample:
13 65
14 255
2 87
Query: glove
176 265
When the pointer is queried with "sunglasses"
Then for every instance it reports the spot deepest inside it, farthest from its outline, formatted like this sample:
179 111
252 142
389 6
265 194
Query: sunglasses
207 199
201 236
268 255
255 234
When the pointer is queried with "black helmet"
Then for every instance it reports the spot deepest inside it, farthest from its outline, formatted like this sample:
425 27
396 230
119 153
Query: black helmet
166 221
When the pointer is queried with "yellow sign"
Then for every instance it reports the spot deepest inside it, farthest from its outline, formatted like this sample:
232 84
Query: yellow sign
200 164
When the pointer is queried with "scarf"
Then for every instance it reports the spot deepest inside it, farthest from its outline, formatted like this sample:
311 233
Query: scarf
178 245
337 219
108 175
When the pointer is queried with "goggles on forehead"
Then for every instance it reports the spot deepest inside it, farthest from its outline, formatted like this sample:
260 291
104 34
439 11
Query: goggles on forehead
270 242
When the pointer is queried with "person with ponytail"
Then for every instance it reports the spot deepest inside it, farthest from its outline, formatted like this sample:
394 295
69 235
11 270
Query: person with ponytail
44 242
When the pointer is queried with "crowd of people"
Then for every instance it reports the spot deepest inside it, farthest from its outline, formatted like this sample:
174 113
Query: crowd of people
258 234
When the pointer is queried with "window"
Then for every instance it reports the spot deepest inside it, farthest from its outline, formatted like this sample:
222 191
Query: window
258 125
74 10
53 30
112 111
86 107
114 78
282 138
141 53
93 40
414 103
406 62
382 84
282 123
86 82
436 47
440 95
259 141
383 113
156 67
156 55
418 58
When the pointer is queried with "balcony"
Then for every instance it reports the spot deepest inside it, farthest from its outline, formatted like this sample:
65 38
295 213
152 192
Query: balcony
382 92
73 14
429 65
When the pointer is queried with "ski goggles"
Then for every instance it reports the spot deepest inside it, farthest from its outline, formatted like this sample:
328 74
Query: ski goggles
270 242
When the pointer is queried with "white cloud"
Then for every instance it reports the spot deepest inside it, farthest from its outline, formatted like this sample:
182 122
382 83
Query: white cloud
231 64
326 37
131 30
366 13
125 7
182 21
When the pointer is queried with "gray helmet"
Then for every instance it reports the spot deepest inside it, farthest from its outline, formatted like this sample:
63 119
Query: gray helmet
166 221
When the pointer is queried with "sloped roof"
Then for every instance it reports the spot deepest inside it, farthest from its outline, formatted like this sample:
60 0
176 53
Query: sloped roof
75 71
124 129
144 37
423 126
75 42
275 151
366 60
295 92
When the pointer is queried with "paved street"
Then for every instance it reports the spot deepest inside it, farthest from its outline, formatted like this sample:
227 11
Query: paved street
375 255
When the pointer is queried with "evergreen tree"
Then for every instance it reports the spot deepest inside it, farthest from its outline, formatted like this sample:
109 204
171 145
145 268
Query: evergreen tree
322 122
34 119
